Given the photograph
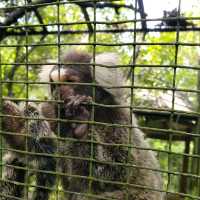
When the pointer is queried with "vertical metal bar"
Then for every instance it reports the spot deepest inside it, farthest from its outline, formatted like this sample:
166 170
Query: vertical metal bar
196 162
173 99
26 97
131 100
58 105
184 179
1 132
93 97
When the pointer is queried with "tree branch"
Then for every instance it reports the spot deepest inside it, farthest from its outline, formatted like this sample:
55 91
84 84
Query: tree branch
142 14
18 13
140 30
14 68
105 5
87 19
39 17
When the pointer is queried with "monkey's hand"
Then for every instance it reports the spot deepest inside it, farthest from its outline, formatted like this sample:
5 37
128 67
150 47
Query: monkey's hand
76 108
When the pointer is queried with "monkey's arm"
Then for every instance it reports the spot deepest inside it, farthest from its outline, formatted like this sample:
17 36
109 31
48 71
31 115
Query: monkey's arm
37 142
35 129
11 185
13 125
41 142
45 180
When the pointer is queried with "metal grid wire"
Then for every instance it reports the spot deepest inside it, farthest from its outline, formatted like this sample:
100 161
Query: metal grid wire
159 61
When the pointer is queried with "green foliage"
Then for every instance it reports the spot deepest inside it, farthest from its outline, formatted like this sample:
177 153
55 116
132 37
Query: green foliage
19 64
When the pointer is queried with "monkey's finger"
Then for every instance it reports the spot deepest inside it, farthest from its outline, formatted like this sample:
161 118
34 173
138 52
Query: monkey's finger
82 100
68 112
78 100
80 130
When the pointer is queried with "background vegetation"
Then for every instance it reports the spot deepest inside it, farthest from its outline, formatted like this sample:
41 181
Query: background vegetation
32 40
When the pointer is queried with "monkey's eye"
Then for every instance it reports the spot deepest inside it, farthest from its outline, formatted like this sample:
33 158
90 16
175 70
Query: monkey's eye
71 79
64 75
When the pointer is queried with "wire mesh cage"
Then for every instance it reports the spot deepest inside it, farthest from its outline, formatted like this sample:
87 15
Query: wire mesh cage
99 100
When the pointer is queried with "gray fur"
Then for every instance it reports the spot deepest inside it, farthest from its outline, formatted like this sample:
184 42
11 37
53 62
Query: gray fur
108 172
110 163
12 186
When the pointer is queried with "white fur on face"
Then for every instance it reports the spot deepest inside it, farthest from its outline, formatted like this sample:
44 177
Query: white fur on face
47 72
58 75
44 73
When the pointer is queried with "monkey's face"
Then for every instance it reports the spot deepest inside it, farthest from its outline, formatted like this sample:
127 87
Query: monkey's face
73 79
67 76
75 95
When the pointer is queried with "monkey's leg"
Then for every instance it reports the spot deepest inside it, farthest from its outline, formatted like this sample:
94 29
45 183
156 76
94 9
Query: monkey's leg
41 141
64 167
45 180
46 166
13 175
11 187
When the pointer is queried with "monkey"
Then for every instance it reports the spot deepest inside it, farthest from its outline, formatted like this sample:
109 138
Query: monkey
182 22
26 138
108 159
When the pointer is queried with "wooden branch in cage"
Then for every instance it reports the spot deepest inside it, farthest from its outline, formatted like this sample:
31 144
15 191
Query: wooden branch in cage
164 136
162 128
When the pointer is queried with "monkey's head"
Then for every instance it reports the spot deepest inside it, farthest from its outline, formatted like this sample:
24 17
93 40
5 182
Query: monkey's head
72 74
74 80
77 75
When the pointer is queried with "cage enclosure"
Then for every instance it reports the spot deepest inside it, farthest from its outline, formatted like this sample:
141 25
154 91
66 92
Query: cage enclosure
99 99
